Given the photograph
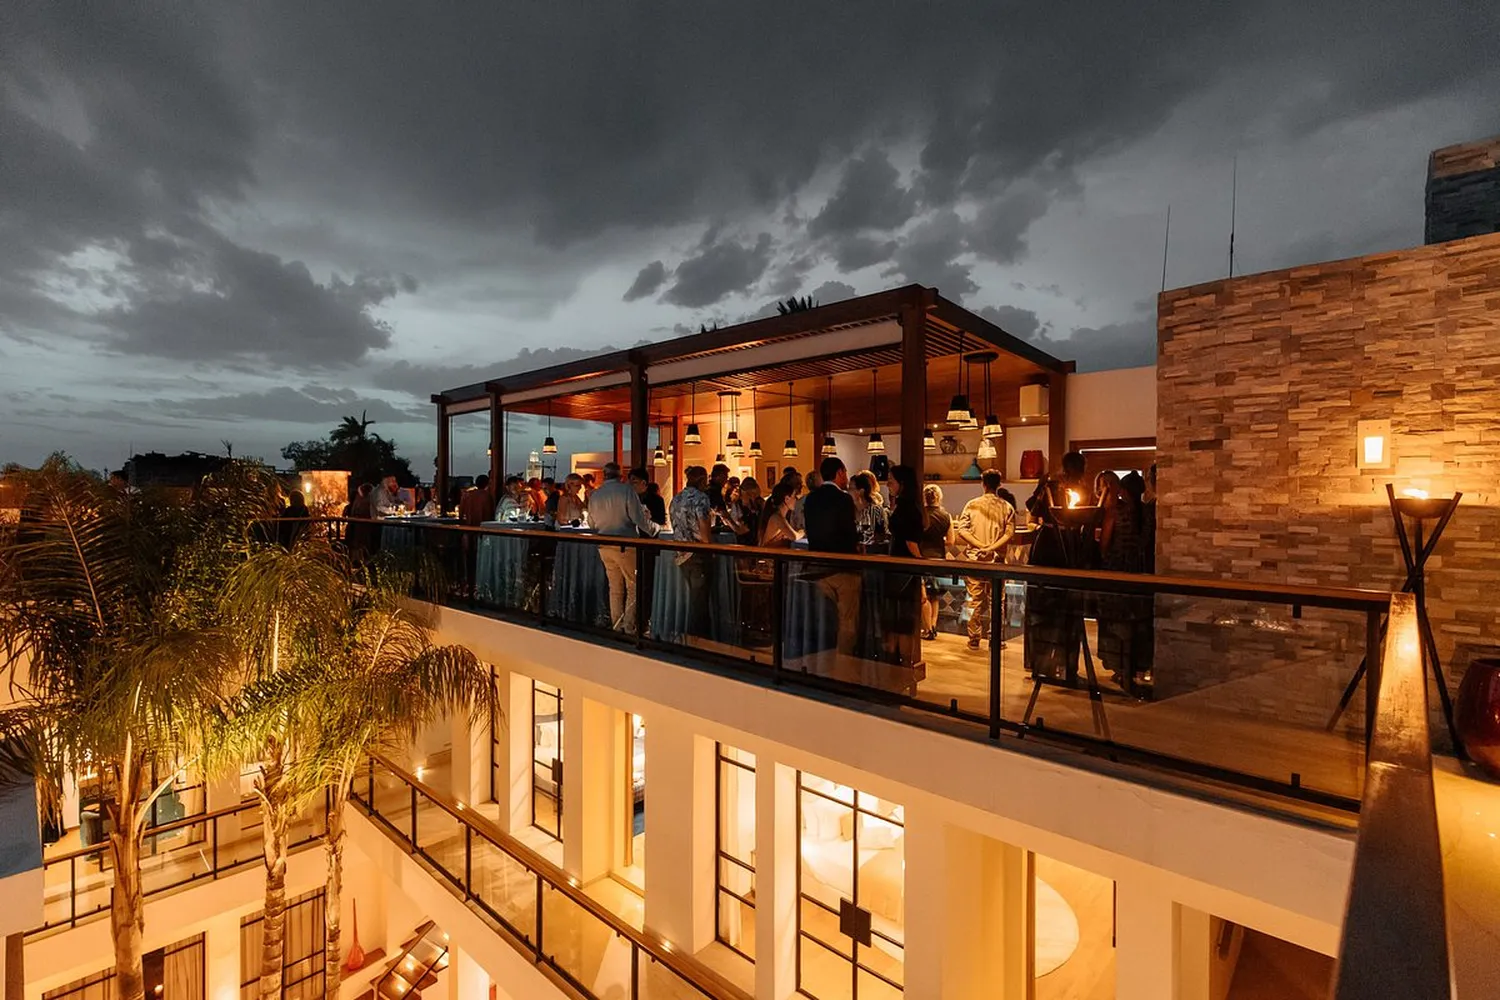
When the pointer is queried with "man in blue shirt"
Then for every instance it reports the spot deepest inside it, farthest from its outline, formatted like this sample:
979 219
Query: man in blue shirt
615 509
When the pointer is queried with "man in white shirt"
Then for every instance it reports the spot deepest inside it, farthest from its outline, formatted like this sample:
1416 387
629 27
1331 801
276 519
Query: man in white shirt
386 499
983 529
615 509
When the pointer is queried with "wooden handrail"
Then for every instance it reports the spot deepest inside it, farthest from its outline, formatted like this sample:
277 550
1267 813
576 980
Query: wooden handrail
1333 598
1395 936
153 831
658 948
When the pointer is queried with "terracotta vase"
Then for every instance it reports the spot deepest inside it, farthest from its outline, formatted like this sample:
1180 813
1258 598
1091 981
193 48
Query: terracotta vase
356 959
1033 464
1476 713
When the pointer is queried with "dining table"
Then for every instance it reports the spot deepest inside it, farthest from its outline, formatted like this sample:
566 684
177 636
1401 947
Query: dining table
502 564
399 534
727 618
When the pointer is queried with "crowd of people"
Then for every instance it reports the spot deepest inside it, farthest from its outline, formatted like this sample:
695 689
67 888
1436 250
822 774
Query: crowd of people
831 511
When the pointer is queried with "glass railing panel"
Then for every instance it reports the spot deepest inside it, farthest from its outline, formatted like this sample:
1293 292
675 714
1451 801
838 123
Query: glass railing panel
392 800
505 887
440 838
579 591
583 947
1242 687
240 838
506 570
169 869
717 601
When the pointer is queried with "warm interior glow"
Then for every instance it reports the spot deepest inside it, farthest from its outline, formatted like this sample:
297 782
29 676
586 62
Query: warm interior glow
1074 498
1414 493
1374 447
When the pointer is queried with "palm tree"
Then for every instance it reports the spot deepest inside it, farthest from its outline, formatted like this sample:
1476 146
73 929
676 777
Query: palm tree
795 305
283 605
351 430
109 630
390 683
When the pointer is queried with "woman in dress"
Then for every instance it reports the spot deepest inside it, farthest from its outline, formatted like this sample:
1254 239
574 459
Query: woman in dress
869 514
775 528
745 511
937 534
1125 624
903 591
570 505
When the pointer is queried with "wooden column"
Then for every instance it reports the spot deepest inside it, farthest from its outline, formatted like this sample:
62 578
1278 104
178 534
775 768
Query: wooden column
640 415
497 436
914 384
619 449
679 460
1057 417
444 449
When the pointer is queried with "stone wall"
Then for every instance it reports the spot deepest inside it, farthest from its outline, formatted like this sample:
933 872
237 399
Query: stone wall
1260 382
1463 191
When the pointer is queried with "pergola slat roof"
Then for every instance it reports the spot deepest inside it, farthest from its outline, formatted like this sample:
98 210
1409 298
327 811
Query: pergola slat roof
839 341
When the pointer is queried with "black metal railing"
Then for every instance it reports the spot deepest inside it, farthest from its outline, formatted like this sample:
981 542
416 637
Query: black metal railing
1226 683
1395 937
540 908
208 846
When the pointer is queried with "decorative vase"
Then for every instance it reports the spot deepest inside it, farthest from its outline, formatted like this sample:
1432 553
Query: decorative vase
356 959
1476 714
1033 464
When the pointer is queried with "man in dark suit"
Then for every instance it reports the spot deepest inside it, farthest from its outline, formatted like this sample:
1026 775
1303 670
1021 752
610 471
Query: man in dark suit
829 515
829 512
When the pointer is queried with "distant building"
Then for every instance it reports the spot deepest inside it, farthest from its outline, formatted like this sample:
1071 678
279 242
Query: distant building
156 469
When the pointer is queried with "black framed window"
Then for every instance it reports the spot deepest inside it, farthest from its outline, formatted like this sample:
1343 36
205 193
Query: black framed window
176 972
850 893
304 947
734 848
546 758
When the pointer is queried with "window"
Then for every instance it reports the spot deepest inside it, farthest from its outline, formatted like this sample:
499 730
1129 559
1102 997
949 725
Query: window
546 758
734 846
175 972
302 954
850 892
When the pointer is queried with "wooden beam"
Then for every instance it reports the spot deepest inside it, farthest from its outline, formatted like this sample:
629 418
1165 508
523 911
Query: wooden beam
1057 419
619 442
677 456
960 318
497 437
640 415
440 474
914 383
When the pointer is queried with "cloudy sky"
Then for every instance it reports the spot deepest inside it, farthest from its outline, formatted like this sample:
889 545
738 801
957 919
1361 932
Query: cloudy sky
242 221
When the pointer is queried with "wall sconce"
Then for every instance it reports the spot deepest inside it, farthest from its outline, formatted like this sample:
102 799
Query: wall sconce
1373 445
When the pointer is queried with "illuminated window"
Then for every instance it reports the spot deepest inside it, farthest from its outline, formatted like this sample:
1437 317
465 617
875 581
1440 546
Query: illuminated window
734 844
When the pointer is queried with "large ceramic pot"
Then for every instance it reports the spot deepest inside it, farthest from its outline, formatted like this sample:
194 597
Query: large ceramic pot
1033 464
1477 714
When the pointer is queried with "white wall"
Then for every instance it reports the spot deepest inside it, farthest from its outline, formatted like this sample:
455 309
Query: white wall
1120 403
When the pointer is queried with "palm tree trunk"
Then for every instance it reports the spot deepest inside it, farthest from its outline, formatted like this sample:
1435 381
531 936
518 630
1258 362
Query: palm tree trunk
274 825
127 910
333 893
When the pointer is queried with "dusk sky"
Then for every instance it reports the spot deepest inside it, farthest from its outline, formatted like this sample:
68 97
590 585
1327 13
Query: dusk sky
244 221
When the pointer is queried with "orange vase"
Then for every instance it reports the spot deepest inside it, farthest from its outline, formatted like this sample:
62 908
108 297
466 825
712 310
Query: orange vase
356 959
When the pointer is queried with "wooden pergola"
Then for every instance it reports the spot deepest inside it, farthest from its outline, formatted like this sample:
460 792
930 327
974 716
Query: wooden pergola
889 361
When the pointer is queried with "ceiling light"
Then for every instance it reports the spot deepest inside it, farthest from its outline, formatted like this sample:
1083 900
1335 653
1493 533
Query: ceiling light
929 442
692 436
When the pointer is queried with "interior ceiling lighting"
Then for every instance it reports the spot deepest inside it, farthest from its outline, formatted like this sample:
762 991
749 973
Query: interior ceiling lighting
876 445
732 445
755 449
958 409
789 450
549 444
929 441
987 449
659 457
692 436
830 446
969 422
992 427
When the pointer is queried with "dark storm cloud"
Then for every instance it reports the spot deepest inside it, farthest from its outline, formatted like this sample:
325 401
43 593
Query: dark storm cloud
422 380
647 281
869 196
1014 320
719 269
1127 344
311 404
854 253
929 254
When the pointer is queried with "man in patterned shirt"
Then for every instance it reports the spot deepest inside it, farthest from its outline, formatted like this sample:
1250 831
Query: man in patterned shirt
691 518
983 530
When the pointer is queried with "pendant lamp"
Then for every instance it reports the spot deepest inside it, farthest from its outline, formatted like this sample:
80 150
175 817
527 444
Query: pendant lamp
789 450
692 436
755 449
875 446
929 442
992 426
549 444
958 409
830 446
732 445
969 421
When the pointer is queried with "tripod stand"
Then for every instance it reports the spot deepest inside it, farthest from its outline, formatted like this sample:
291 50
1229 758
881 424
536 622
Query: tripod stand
1415 551
1070 523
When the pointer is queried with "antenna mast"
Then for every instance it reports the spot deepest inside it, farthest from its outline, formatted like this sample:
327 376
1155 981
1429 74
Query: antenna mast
1234 191
1165 243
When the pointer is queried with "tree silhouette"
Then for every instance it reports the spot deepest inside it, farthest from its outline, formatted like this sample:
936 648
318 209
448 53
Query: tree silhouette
796 305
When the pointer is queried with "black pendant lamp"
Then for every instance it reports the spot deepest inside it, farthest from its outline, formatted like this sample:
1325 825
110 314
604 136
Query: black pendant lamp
692 436
875 446
789 450
830 446
549 444
958 409
755 449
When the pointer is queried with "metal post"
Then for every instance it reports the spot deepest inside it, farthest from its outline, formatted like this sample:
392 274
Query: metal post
635 971
73 891
1372 674
997 652
538 878
413 789
642 593
468 862
778 600
214 835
